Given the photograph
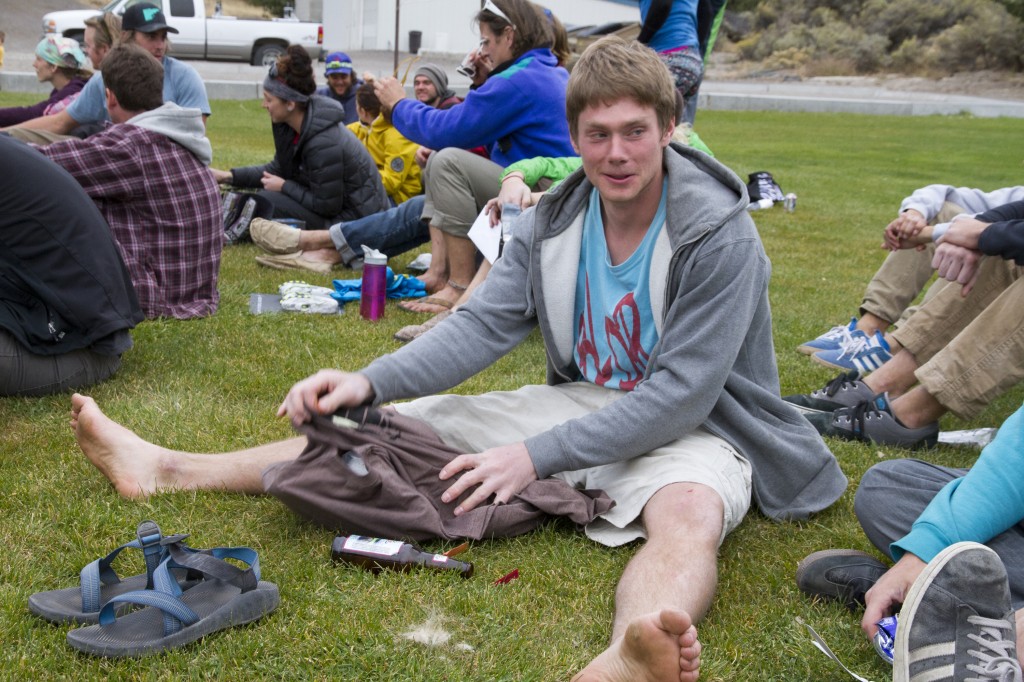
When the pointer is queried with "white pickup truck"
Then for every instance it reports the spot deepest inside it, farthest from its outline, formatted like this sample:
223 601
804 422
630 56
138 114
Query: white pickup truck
256 41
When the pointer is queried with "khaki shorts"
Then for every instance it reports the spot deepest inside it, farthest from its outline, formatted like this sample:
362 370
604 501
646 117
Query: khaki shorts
477 423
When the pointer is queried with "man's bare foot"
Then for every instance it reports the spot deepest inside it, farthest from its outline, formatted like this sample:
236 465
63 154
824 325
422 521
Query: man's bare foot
129 463
657 647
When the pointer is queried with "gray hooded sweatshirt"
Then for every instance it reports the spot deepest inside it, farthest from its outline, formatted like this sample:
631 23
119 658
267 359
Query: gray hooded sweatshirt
713 365
184 126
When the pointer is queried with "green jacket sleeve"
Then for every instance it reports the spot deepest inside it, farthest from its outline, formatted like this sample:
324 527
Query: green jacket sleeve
556 168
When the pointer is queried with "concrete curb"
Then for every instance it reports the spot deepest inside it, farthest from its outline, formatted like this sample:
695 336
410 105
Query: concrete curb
711 101
12 81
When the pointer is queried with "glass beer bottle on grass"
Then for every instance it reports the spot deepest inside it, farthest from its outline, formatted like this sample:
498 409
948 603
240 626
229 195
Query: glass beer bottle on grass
375 554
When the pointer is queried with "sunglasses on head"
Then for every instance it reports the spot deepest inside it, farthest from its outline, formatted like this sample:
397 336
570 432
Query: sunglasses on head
494 9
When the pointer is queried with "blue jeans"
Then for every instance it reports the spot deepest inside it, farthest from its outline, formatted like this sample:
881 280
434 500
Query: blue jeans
391 232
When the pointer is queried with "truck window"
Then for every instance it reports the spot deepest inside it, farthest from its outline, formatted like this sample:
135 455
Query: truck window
183 8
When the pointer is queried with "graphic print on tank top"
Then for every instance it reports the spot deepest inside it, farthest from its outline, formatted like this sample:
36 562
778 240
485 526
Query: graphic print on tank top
615 331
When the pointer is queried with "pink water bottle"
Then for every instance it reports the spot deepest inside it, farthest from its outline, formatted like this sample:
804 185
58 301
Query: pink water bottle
375 286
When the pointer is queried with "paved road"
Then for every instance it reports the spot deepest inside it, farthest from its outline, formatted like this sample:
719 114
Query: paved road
234 80
22 21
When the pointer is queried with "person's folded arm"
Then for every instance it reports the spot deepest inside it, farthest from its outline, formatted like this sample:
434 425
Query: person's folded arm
60 123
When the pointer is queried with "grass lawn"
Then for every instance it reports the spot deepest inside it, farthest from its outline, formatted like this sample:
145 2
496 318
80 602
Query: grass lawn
213 384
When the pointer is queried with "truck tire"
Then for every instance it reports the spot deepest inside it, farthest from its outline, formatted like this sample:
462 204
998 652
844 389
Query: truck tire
267 54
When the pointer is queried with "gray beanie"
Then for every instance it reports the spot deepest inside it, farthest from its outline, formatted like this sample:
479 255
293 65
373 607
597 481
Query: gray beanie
438 77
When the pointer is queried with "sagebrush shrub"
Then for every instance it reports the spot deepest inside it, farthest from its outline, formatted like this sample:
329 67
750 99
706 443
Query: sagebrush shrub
871 35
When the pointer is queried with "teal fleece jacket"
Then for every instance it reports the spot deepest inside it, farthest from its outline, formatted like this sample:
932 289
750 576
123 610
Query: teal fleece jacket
988 500
714 363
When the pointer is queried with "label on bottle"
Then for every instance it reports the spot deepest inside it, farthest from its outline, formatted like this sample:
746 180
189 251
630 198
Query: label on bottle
441 558
377 546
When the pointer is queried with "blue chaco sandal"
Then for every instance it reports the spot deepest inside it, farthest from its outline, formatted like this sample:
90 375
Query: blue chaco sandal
227 596
99 582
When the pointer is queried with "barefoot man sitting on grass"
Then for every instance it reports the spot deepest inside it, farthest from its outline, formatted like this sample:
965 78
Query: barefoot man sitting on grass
662 385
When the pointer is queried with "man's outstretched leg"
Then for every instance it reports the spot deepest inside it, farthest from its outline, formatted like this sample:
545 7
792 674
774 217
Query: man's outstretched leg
656 647
671 580
138 468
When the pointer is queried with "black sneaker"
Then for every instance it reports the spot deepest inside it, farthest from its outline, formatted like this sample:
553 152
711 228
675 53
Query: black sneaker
843 391
873 421
957 622
238 230
842 575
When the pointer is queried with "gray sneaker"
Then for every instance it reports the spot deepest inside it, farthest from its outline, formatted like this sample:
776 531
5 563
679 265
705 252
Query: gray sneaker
843 391
873 421
957 622
843 575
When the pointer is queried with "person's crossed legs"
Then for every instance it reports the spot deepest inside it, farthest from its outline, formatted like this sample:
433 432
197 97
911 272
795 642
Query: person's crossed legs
962 350
958 353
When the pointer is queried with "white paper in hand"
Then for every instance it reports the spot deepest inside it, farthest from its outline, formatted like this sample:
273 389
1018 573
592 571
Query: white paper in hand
485 237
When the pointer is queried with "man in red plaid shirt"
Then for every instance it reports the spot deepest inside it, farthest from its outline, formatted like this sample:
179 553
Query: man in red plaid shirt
148 174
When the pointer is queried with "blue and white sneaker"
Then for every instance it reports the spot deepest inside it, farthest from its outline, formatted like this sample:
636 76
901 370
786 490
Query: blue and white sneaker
831 339
862 353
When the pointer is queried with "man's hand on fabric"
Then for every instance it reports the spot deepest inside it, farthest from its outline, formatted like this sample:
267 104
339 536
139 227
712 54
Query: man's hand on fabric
890 590
501 472
323 393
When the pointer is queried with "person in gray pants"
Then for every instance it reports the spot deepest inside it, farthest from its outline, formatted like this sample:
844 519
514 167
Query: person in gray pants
66 299
915 513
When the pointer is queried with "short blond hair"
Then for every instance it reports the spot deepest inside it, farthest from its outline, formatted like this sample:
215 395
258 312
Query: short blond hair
612 69
107 27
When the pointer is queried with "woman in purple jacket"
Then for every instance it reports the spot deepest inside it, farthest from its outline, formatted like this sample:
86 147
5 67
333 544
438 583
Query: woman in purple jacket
60 62
518 112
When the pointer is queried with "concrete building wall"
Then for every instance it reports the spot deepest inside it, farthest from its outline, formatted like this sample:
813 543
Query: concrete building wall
446 24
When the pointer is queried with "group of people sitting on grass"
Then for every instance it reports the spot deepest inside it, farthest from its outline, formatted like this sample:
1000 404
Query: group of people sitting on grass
140 160
902 368
646 276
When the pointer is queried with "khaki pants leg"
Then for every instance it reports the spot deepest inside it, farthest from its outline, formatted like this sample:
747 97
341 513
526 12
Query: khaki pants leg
458 185
40 137
984 360
947 314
